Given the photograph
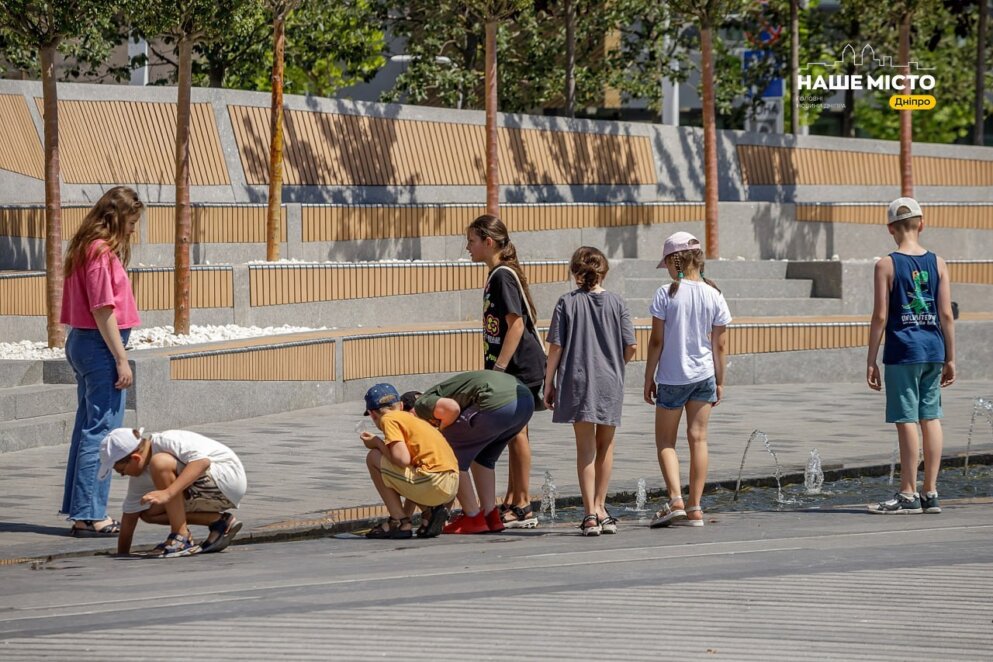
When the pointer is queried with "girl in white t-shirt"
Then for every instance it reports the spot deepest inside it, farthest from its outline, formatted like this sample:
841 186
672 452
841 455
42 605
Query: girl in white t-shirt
685 370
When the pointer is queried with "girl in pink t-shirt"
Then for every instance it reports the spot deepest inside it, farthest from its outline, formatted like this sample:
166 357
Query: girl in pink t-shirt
98 305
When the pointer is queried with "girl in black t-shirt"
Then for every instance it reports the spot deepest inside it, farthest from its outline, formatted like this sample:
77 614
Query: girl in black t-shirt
510 344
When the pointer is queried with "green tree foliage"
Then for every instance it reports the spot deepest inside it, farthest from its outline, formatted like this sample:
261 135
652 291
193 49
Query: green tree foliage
444 43
329 45
35 29
188 22
653 45
947 43
85 49
815 47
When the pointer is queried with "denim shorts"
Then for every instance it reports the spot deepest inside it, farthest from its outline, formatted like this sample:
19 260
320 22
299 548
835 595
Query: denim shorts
669 396
913 392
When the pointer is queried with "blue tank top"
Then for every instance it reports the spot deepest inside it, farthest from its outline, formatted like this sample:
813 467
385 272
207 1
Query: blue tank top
913 329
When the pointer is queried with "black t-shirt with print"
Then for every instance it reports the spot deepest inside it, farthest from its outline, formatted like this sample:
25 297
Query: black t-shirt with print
503 297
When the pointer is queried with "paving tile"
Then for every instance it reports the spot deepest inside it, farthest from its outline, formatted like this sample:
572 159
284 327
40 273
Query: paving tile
320 466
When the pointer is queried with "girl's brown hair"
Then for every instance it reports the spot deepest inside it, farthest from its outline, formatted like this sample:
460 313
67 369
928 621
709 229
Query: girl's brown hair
589 266
107 222
489 226
683 259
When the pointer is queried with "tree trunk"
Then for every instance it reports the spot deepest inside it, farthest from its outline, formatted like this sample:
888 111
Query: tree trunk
53 199
906 126
570 59
276 139
709 142
979 133
492 144
181 269
794 66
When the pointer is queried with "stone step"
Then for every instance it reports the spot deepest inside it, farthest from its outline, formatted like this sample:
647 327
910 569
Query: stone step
740 288
715 269
801 307
972 297
21 402
785 307
20 373
51 430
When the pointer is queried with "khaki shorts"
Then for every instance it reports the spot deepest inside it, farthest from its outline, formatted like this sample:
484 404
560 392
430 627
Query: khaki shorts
204 496
422 487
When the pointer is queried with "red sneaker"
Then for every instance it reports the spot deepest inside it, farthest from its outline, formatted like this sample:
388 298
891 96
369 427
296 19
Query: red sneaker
465 524
494 521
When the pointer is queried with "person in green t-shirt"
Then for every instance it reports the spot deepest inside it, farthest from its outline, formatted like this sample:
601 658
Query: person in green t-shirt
479 413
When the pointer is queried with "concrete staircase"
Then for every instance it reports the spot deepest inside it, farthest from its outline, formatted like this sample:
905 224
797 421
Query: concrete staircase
33 413
752 289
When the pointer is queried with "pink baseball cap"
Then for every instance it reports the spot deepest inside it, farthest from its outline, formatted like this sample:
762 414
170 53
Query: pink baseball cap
680 241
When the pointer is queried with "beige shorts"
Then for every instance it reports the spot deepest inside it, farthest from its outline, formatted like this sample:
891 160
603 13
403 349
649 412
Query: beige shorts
204 496
422 487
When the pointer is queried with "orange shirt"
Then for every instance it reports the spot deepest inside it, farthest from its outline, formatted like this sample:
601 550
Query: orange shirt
428 449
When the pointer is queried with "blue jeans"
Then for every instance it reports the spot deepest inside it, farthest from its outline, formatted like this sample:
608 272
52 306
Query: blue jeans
99 409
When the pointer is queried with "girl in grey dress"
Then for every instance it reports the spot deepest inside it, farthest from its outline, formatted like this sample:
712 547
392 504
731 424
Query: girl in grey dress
590 340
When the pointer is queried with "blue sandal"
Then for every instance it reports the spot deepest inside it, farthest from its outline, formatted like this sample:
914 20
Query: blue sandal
175 545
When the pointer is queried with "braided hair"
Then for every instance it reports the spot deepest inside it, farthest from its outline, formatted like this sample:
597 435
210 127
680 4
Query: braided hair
682 259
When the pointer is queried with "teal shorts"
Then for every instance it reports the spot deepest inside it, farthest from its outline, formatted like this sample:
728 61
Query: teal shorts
913 392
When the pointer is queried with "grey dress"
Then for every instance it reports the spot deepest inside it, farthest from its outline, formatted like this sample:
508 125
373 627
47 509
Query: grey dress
593 330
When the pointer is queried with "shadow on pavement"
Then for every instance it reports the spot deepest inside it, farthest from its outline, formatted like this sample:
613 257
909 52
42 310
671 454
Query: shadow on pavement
23 527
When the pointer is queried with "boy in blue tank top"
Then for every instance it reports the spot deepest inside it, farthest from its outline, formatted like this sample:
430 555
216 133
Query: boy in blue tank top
912 306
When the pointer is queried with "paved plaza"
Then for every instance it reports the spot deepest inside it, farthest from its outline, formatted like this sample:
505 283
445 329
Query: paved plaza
302 464
829 585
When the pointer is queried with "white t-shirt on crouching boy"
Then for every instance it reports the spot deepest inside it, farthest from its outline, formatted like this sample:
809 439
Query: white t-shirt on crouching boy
225 467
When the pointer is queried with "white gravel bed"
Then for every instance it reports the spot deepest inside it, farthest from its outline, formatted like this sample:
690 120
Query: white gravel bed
158 336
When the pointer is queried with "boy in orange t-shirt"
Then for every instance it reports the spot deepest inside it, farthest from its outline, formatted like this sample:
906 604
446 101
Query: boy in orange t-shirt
411 460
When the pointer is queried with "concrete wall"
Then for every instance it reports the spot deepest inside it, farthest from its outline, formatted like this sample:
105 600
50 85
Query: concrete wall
755 221
160 402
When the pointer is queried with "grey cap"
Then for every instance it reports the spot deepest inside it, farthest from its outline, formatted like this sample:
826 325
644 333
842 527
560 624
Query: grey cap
911 209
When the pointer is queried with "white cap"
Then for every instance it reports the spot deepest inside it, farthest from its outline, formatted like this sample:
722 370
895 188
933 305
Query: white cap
680 241
116 446
912 209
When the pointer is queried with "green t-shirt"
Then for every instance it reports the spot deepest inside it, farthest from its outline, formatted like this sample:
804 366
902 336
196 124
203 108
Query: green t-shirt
487 389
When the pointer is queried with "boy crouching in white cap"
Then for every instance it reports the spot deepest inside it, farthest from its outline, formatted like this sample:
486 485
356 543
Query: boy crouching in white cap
177 477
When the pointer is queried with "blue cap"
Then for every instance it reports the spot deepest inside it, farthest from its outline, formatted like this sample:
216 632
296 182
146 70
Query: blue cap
380 395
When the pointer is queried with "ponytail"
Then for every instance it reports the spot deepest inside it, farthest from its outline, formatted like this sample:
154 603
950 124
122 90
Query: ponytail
489 226
589 267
